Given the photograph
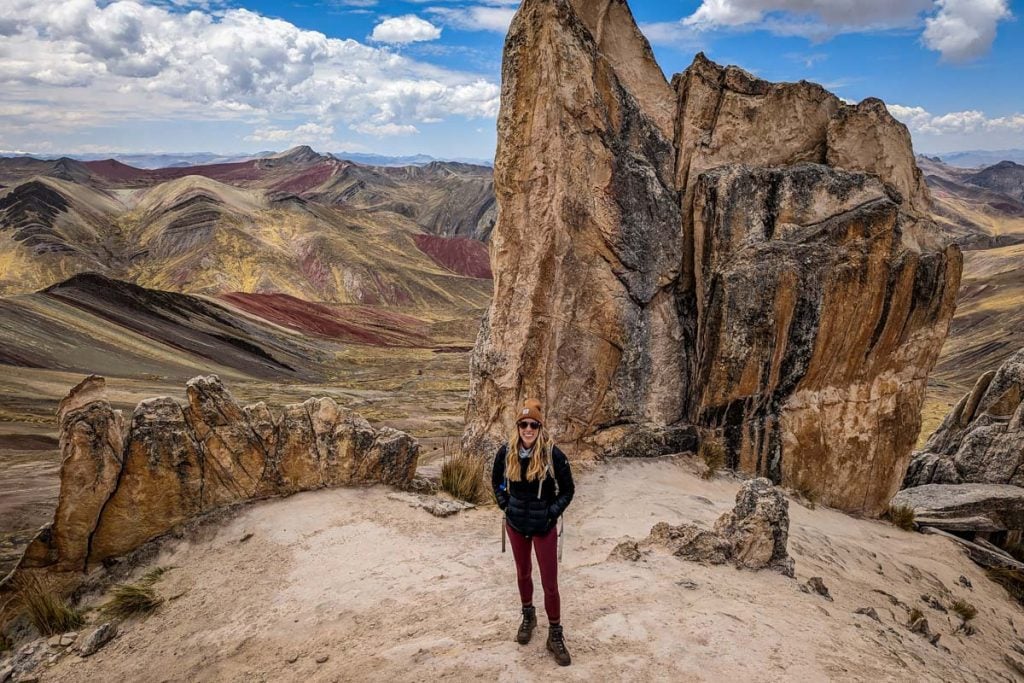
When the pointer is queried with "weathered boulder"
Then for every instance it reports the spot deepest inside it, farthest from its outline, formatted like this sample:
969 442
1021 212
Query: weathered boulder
757 528
981 440
753 535
99 637
91 443
965 507
725 256
120 490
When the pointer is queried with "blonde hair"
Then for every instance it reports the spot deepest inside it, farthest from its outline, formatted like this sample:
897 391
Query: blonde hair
540 463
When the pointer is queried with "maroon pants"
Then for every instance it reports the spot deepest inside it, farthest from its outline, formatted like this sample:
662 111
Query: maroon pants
546 547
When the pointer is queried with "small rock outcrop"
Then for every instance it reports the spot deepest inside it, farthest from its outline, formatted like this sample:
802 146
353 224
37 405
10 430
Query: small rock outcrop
982 439
746 262
125 484
753 535
965 507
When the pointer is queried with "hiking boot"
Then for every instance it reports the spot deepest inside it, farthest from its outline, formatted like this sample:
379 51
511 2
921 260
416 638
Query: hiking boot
529 623
556 645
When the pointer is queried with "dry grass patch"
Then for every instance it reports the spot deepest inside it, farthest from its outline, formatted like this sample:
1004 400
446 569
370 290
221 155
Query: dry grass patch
1010 579
5 643
964 610
713 456
131 599
462 475
46 608
901 516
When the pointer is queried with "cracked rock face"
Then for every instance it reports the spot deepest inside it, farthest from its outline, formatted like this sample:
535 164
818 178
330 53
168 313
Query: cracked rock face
123 487
982 439
721 256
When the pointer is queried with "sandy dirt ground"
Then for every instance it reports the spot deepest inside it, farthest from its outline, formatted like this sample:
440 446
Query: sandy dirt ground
386 591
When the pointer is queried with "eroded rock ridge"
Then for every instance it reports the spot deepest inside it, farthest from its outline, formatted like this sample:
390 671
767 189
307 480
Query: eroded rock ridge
127 481
719 258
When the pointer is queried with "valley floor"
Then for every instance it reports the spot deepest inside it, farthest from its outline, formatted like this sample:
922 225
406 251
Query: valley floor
388 592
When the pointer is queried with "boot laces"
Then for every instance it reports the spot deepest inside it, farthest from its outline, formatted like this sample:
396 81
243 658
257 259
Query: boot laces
556 639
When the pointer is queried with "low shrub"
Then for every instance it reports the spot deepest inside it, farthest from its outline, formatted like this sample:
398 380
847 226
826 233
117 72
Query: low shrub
901 516
462 476
47 609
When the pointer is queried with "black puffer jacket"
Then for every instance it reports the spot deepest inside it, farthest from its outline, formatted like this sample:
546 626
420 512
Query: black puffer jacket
526 512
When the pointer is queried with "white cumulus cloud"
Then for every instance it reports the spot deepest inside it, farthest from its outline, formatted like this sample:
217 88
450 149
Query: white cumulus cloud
73 64
405 29
958 29
964 29
920 120
475 17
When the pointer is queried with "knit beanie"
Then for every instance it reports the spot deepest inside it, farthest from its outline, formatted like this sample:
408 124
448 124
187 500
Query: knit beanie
531 410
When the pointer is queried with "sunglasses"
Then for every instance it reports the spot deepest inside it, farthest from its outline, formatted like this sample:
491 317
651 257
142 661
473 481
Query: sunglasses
529 424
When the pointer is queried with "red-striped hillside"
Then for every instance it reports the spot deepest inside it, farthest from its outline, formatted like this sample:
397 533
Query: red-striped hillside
350 323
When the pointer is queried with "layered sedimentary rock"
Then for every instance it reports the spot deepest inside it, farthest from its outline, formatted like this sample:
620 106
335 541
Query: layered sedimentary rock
122 487
982 438
747 261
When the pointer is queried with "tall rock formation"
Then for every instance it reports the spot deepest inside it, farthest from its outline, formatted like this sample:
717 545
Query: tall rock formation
121 488
748 261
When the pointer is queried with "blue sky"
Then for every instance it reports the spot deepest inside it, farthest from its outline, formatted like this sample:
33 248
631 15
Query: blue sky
422 77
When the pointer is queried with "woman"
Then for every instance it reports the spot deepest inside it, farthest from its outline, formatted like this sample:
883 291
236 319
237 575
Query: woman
533 485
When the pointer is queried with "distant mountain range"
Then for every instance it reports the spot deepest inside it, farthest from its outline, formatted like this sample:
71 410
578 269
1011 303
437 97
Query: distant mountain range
155 160
977 158
977 208
300 223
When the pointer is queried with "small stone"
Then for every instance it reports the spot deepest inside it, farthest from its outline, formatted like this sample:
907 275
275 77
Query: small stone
292 658
68 639
687 584
627 550
965 582
320 659
868 612
920 626
54 641
934 603
98 638
934 640
816 585
245 538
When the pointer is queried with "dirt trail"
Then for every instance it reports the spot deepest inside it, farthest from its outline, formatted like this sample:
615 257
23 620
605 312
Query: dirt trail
389 592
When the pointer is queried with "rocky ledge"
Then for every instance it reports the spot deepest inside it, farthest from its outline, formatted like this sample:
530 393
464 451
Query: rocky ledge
123 483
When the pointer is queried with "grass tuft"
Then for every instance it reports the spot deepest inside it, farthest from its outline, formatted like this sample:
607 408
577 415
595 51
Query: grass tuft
1010 579
713 456
901 516
131 599
964 610
47 609
462 475
154 575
